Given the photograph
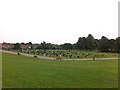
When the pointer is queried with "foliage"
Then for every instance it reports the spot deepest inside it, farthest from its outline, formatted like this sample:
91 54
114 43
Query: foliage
104 44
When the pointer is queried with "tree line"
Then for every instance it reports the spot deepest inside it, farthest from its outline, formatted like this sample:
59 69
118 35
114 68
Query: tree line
104 44
84 43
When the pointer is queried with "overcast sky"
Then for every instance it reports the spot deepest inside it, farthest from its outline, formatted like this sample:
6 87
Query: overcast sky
57 21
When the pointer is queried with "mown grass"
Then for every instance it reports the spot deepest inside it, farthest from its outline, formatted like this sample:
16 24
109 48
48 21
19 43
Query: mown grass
28 72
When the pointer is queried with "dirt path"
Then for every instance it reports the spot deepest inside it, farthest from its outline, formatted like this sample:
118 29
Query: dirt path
43 57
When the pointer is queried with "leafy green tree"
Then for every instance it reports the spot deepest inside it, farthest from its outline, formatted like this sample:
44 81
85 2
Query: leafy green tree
104 44
96 44
67 46
78 44
75 46
90 42
111 44
117 45
82 43
44 45
49 46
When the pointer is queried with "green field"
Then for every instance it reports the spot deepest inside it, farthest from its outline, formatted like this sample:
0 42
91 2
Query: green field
29 72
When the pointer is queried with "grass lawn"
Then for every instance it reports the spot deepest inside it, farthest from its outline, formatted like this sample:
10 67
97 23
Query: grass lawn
28 72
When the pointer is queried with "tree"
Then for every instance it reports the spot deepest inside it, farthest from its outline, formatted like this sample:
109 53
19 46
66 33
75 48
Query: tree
117 45
81 43
90 42
75 46
30 43
104 45
67 46
96 44
17 46
44 45
49 45
22 43
55 46
111 44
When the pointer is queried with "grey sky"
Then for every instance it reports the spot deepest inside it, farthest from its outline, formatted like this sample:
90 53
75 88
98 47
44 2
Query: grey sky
57 21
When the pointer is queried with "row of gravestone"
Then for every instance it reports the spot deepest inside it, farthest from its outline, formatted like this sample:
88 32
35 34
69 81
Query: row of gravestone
64 53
